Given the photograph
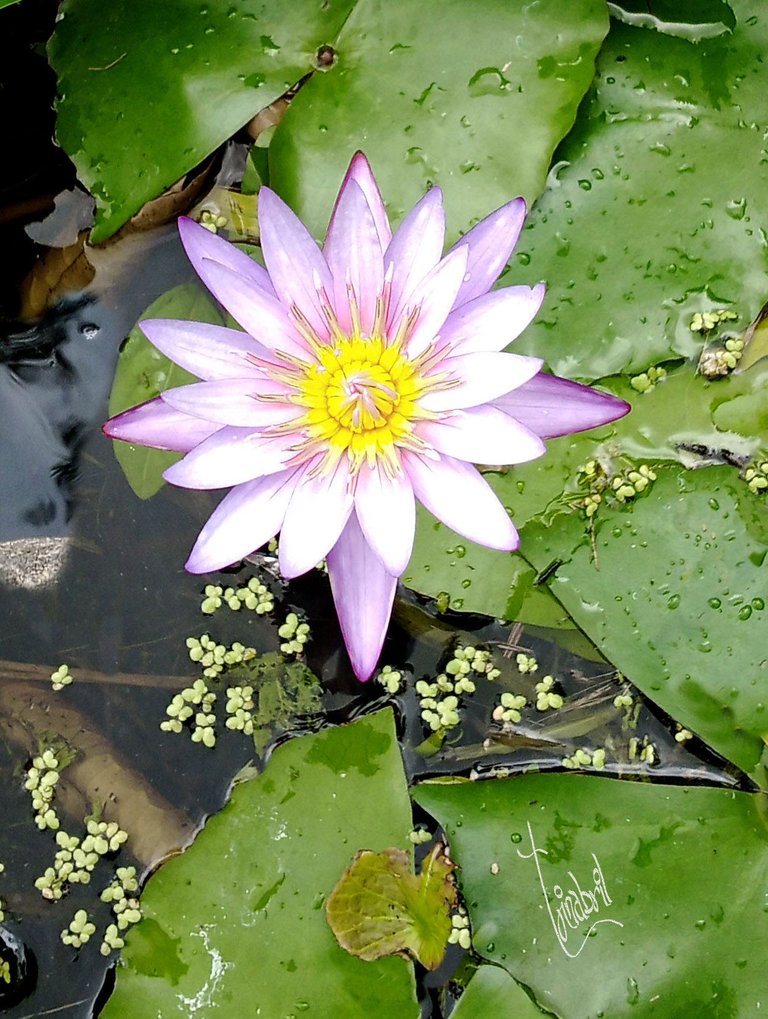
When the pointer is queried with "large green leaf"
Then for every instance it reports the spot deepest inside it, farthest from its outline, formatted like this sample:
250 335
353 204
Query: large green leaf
474 97
684 418
235 926
493 994
657 204
676 599
147 90
143 372
685 870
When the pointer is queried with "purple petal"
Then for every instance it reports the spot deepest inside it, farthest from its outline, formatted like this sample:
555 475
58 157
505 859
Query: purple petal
361 173
296 264
386 512
210 352
458 495
551 406
482 435
202 246
491 321
247 517
415 249
316 515
353 252
479 378
230 457
434 298
264 317
363 592
234 402
490 244
156 424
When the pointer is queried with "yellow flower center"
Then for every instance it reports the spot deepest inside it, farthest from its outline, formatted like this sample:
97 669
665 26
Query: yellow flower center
361 400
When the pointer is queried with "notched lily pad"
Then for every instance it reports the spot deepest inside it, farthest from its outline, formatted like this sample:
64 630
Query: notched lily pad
379 907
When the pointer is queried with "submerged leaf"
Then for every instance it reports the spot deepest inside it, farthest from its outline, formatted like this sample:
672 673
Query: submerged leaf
143 372
380 908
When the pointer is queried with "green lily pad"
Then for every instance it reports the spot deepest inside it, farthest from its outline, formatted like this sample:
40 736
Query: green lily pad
236 926
643 934
675 598
472 97
688 19
147 91
143 373
493 993
685 418
656 204
379 907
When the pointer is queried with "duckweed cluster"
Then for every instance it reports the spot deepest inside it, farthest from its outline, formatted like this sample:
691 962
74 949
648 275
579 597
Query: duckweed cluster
120 893
584 758
706 321
546 695
5 971
645 751
720 360
756 475
683 735
508 711
439 700
79 931
460 934
294 634
646 381
212 220
526 663
623 486
77 858
419 835
254 596
61 677
42 778
390 679
239 708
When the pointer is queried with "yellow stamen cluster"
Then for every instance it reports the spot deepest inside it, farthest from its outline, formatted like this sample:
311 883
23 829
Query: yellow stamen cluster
361 392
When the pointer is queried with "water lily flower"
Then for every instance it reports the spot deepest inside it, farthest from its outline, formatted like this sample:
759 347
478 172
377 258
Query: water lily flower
371 372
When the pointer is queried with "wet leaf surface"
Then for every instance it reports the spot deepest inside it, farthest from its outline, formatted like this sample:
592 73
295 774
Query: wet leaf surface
689 19
622 852
478 113
237 924
492 992
379 907
676 599
641 225
145 94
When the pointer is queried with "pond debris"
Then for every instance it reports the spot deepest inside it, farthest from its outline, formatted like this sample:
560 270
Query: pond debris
601 483
125 907
61 677
391 679
460 933
719 360
294 633
646 381
756 475
210 220
79 931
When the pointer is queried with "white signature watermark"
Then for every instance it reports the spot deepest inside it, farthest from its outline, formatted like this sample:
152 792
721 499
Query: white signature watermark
574 904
